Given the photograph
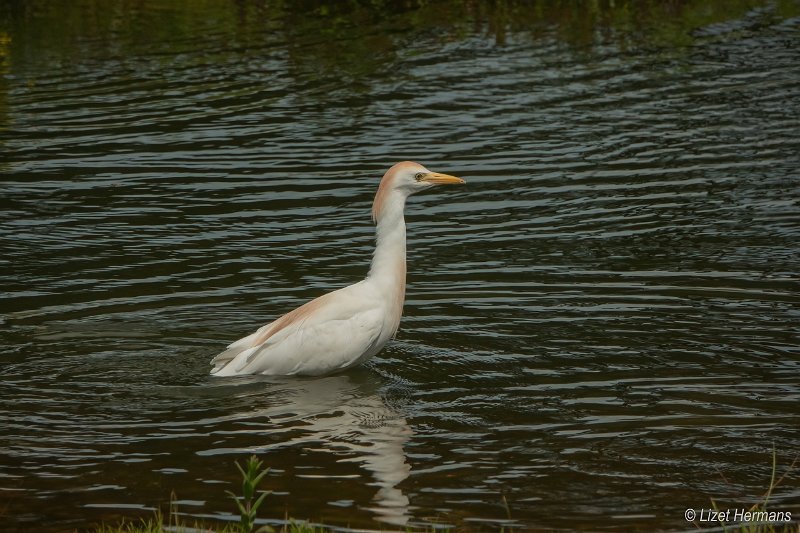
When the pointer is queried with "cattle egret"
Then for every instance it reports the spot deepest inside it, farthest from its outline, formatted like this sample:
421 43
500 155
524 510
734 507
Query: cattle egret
346 327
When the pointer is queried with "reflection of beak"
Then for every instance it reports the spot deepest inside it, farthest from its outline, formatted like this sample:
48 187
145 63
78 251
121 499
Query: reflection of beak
440 179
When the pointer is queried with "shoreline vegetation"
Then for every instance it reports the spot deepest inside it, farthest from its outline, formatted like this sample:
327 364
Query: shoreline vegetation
251 500
315 33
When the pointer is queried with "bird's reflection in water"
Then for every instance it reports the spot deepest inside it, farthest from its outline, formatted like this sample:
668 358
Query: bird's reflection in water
345 415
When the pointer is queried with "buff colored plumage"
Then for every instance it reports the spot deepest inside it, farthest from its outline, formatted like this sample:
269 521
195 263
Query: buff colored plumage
346 327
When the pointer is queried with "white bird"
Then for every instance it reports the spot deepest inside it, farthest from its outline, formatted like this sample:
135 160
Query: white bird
346 327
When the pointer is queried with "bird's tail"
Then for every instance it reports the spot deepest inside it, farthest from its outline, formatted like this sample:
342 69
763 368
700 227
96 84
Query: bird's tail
233 350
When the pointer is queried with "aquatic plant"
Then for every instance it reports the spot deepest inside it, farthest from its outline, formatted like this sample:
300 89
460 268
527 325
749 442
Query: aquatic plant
758 519
247 503
252 474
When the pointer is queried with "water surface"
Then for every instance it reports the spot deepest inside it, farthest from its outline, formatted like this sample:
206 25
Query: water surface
601 328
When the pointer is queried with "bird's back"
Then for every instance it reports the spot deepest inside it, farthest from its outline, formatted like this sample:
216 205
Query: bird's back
328 334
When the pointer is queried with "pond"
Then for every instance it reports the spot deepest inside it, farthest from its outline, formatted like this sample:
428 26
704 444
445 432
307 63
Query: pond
601 326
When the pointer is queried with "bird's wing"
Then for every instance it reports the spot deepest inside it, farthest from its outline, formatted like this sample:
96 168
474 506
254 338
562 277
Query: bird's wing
327 334
295 317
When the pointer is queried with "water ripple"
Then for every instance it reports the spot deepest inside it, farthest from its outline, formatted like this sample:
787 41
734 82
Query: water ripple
608 308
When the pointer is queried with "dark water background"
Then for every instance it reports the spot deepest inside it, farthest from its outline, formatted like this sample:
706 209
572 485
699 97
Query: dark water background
601 328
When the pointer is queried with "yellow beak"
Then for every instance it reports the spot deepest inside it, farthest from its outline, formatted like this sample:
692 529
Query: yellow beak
441 179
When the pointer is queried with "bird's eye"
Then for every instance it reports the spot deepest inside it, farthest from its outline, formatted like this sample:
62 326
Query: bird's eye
419 175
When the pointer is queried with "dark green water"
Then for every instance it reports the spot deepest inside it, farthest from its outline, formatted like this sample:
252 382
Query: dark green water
601 328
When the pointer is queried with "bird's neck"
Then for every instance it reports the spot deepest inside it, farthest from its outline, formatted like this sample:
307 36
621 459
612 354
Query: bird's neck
388 268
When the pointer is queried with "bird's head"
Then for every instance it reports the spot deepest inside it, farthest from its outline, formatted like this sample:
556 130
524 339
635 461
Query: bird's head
407 178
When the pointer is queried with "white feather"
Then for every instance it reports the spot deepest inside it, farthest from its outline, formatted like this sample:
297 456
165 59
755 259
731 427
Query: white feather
348 326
